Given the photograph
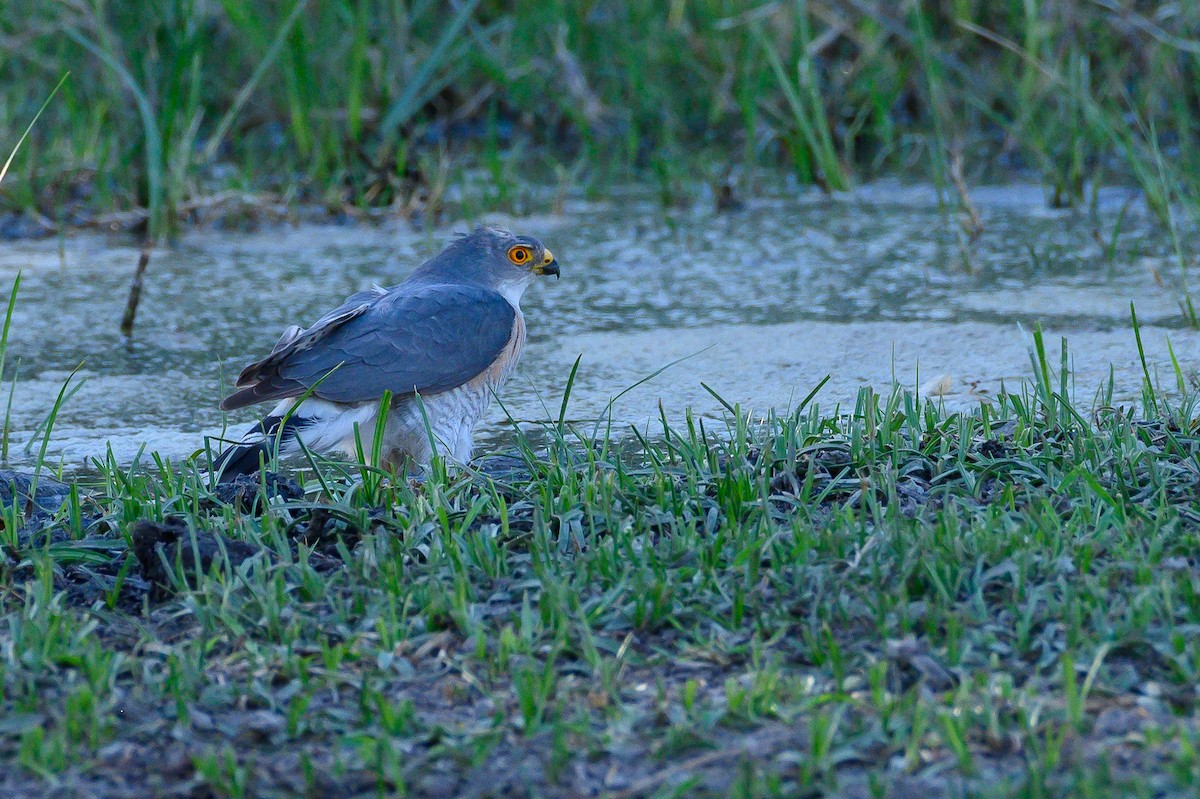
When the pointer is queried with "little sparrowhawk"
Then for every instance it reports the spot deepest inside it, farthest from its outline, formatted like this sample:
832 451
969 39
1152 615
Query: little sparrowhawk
451 334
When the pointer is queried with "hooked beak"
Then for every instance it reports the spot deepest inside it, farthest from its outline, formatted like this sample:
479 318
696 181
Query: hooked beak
548 266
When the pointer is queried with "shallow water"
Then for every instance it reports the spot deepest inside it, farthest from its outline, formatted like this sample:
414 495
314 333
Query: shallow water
868 287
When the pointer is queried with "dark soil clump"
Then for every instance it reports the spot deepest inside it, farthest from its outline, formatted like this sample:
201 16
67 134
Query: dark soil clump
46 497
245 492
158 546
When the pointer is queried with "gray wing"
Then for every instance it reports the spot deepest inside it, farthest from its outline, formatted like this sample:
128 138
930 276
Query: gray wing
426 339
354 305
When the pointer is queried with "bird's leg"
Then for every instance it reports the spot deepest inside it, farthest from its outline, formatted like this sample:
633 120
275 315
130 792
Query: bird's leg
401 463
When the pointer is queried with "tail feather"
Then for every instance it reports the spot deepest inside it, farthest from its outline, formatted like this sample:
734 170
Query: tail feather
257 445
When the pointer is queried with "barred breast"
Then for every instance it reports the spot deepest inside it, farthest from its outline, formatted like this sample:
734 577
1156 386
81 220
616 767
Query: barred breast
495 375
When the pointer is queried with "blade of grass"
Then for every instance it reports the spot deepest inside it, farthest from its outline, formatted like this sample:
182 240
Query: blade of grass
415 88
29 127
247 89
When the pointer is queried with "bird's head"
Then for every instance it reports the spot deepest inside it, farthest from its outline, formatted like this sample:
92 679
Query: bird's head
514 255
494 258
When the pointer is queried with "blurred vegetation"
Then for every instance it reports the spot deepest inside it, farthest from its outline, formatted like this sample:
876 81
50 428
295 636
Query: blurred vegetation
386 103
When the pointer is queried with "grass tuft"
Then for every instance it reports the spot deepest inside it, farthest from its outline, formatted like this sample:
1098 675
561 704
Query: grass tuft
789 603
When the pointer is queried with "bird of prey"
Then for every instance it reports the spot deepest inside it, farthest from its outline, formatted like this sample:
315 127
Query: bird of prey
450 334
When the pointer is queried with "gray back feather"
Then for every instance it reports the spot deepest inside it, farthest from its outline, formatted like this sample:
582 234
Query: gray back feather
416 337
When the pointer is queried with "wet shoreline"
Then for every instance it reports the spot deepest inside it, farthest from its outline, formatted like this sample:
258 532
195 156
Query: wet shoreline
868 287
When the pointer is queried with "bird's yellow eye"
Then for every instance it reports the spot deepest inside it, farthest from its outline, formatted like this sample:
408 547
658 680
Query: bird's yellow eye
520 255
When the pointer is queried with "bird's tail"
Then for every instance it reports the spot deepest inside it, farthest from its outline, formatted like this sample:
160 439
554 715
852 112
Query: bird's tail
256 446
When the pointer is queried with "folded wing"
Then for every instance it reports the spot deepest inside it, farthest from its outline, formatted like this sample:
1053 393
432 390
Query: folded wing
421 339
